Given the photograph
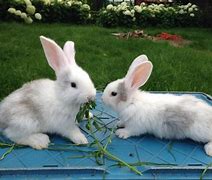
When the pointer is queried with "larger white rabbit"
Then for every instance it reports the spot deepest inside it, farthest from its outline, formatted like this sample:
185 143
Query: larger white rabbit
47 106
164 115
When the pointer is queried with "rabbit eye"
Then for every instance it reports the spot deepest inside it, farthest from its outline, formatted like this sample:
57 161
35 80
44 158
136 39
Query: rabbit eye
113 93
73 84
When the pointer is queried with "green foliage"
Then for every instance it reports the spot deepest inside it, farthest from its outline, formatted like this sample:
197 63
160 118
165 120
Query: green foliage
78 12
108 19
84 111
70 11
149 15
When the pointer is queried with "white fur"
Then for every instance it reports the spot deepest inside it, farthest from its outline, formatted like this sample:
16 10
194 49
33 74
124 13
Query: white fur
145 112
47 106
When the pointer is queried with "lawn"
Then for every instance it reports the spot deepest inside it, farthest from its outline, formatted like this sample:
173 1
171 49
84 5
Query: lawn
106 58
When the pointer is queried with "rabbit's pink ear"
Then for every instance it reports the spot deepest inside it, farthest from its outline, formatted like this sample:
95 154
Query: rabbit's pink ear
69 51
54 54
137 61
138 75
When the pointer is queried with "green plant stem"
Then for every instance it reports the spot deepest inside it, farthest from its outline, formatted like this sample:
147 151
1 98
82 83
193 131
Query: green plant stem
67 149
204 171
7 152
109 155
109 139
144 163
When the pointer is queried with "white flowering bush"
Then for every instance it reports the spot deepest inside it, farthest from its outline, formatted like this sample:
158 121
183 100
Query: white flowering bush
152 14
77 11
72 11
114 15
187 14
29 14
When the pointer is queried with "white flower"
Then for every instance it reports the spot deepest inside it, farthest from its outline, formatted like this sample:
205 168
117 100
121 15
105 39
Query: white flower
181 12
134 19
47 2
190 9
77 3
127 12
18 13
69 3
30 9
192 15
132 11
189 4
196 9
194 6
28 20
23 15
38 16
143 4
123 4
170 1
170 8
185 7
144 8
123 8
11 10
60 1
138 9
89 16
109 7
27 2
86 7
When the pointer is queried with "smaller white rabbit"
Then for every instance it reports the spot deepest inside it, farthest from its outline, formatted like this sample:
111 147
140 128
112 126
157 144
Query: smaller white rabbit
47 106
164 115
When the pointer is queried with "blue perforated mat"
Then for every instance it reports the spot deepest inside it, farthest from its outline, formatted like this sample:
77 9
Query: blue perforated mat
189 156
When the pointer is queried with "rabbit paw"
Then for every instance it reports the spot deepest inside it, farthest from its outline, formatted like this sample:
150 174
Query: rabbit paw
79 139
36 141
208 148
122 133
120 124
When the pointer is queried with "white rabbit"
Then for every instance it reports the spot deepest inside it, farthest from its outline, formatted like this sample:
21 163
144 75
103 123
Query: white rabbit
47 106
164 115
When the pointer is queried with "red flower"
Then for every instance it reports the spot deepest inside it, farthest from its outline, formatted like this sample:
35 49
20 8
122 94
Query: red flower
170 37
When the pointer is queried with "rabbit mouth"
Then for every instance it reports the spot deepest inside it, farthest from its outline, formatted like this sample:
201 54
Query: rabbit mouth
82 101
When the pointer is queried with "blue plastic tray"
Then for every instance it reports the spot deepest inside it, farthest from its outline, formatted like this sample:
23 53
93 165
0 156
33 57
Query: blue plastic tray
188 155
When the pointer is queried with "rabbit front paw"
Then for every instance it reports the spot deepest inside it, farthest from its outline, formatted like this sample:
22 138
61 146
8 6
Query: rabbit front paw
36 141
120 124
79 138
122 133
208 149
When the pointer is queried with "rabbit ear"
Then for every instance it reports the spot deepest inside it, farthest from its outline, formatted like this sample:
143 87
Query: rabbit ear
137 61
138 74
54 54
69 51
